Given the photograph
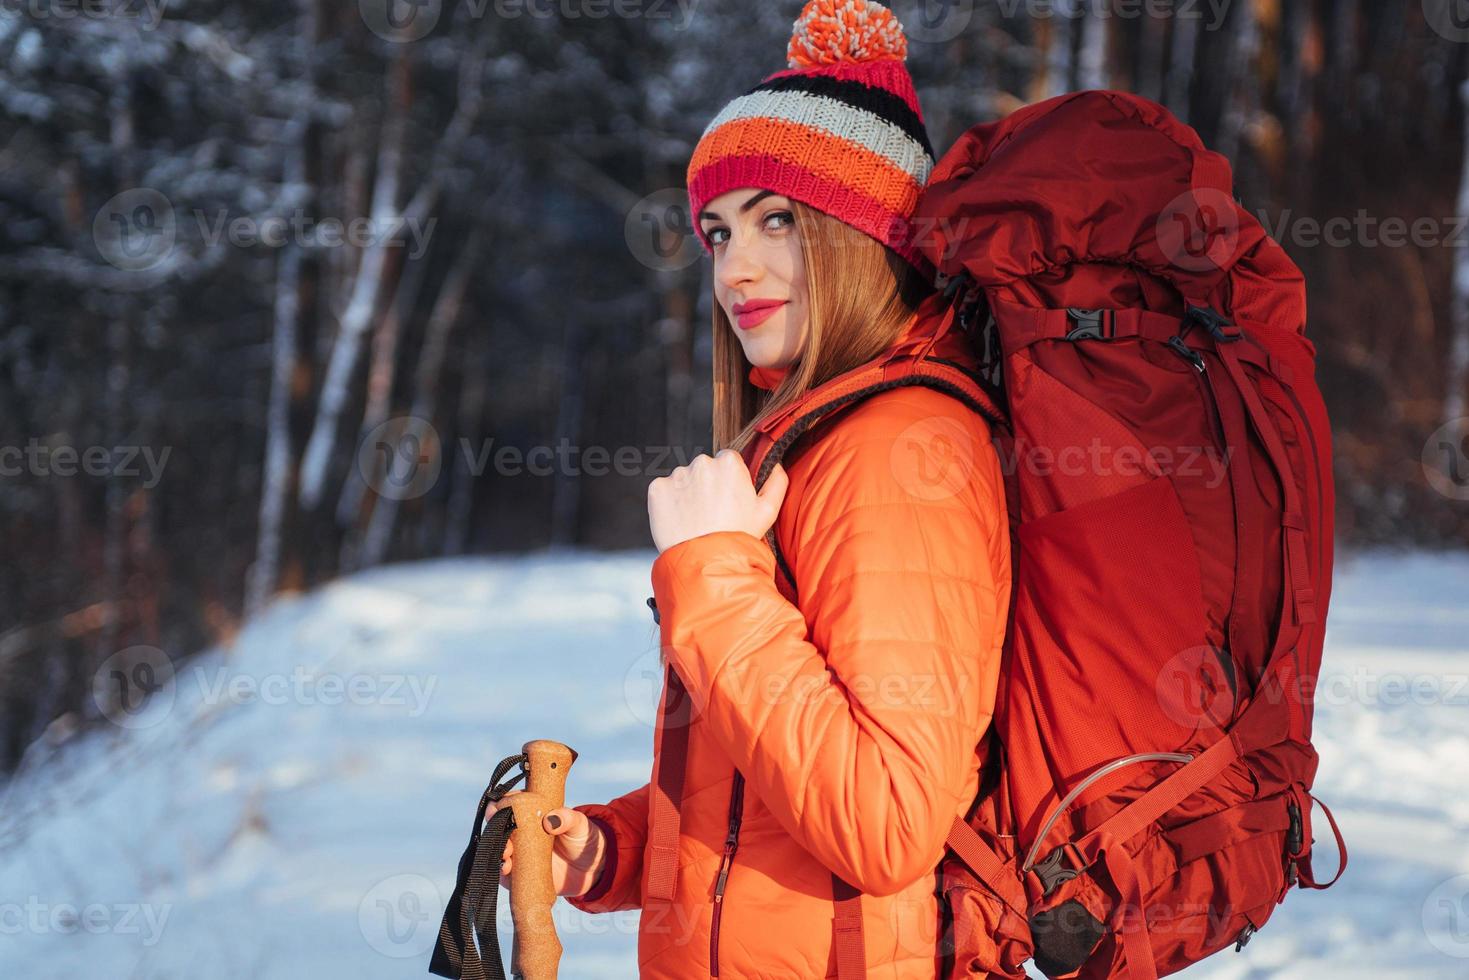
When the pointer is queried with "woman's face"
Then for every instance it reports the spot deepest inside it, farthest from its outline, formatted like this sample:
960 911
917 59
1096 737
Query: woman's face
759 272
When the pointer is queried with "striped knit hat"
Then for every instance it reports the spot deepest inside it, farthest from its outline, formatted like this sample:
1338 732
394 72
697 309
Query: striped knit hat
840 129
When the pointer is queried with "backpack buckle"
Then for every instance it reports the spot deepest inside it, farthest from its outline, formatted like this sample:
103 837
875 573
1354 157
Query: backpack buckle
948 285
1090 324
1295 833
1052 869
1213 321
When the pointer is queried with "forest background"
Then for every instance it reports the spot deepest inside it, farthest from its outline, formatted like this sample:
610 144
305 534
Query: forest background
255 256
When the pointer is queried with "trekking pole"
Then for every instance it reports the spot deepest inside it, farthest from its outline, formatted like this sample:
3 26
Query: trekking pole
470 913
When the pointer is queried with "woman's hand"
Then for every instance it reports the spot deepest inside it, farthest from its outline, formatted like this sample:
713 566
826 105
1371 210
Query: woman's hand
712 493
578 850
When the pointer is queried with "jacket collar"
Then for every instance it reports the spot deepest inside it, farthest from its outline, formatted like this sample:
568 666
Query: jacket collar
767 377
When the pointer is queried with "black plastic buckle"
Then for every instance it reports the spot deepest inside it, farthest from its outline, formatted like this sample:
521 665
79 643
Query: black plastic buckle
1294 836
1090 324
1243 938
653 605
1186 352
1052 870
948 285
1213 321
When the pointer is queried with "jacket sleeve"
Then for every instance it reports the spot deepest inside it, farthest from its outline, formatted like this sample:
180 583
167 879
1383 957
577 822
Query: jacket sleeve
625 822
859 733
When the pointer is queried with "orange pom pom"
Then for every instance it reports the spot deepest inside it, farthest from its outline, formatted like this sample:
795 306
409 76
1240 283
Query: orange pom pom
832 31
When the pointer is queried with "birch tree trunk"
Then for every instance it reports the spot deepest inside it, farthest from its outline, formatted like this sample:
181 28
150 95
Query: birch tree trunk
381 378
425 382
388 221
286 362
275 493
367 286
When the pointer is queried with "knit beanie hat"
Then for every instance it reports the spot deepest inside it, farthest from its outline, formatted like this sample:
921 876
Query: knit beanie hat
839 130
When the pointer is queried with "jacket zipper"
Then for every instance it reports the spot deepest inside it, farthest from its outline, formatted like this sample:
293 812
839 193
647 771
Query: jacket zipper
731 843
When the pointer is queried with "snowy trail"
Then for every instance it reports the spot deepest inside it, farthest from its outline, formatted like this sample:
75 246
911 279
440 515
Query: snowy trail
277 821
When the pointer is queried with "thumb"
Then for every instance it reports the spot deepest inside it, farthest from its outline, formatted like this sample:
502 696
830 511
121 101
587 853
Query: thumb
772 494
571 828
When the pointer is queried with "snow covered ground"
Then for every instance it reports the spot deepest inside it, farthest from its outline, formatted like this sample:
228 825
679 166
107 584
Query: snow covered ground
295 805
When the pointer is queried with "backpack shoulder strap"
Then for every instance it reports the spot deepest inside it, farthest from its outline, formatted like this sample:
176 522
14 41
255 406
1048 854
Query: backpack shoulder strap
940 376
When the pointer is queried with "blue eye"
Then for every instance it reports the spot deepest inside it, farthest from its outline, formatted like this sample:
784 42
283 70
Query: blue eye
713 233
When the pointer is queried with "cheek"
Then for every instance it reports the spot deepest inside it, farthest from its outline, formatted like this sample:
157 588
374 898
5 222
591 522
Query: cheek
795 262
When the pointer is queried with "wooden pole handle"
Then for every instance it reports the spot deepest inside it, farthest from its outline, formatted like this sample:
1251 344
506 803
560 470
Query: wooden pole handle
536 954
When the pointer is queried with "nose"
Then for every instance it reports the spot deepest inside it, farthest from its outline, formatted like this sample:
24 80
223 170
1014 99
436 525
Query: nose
738 264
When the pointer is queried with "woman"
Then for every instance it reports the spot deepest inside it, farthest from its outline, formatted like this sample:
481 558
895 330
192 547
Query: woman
840 677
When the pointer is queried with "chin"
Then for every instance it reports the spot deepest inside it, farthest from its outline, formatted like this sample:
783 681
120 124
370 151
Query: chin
758 356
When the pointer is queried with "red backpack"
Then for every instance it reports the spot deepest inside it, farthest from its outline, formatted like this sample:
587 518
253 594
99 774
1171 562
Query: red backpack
1168 461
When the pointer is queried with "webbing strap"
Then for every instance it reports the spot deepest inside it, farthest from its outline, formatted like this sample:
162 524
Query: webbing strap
1026 325
847 940
987 866
1301 599
470 911
1137 945
1303 865
664 817
1177 787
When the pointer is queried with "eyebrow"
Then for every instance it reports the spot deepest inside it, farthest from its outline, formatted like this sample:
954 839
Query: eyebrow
754 200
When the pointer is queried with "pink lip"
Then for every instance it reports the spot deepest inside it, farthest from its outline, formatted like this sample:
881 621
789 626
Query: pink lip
753 315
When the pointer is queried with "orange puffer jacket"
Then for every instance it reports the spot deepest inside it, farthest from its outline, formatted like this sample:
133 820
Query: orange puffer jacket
833 722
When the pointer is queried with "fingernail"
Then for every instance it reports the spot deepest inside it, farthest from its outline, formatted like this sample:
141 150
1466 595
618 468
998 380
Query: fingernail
554 821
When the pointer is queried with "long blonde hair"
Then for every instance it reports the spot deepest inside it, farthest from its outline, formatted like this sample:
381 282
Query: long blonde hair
861 295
